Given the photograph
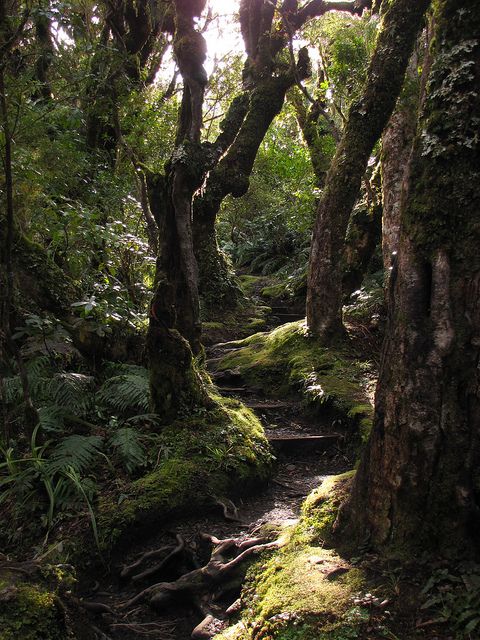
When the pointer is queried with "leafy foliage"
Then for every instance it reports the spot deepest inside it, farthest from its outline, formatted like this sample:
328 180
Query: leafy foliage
127 444
76 452
127 392
455 597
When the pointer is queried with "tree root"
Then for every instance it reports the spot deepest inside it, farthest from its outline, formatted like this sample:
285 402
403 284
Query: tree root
158 567
204 587
216 571
149 555
162 630
230 511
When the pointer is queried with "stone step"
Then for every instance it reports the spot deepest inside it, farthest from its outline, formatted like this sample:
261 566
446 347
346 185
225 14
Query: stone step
291 444
243 391
266 405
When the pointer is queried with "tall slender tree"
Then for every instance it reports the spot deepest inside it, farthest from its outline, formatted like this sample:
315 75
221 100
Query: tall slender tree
367 118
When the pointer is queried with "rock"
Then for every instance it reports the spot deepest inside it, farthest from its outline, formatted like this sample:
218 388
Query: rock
208 628
336 572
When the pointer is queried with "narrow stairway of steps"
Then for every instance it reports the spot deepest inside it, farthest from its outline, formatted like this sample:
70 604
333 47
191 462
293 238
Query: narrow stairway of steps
307 452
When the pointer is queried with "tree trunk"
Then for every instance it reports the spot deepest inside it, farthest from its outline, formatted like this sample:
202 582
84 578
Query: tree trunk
175 327
231 176
418 485
366 121
397 142
363 235
316 128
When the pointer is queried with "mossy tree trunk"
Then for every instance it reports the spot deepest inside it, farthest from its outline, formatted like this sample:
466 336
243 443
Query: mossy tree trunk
316 129
175 327
397 142
231 176
366 120
363 235
418 482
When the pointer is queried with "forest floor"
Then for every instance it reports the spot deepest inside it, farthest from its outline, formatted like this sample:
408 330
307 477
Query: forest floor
307 452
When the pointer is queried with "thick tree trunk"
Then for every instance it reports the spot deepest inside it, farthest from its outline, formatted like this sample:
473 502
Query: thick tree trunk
418 482
397 141
175 327
366 121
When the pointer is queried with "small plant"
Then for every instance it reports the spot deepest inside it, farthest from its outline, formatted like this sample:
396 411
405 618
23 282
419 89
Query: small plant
60 477
455 598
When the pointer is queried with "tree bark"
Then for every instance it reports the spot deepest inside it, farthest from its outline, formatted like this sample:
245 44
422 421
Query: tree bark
397 142
366 121
231 176
175 327
363 235
417 487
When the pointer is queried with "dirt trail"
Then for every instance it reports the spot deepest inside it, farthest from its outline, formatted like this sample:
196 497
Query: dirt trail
304 458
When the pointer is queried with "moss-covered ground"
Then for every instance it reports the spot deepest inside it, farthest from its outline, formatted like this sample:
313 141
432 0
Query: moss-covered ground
306 590
31 607
202 457
289 362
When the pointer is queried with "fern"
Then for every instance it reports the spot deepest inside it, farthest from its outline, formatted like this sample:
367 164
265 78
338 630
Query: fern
77 452
39 367
51 418
12 390
127 443
71 390
126 393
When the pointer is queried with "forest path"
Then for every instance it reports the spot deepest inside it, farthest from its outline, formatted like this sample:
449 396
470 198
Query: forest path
307 452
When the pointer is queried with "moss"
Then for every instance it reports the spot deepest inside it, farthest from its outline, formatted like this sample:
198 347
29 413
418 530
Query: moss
30 612
205 455
287 361
275 291
255 323
213 325
305 591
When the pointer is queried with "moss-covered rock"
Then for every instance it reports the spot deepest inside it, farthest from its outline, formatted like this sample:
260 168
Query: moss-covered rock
204 456
289 362
32 610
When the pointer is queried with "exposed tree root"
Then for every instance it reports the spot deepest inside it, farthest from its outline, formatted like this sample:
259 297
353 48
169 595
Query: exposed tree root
202 586
230 511
150 629
158 567
149 555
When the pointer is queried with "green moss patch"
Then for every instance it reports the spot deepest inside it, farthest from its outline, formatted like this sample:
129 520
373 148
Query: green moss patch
306 591
201 457
30 612
288 362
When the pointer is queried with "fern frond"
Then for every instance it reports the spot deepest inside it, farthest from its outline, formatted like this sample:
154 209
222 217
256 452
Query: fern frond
126 441
127 393
77 452
39 367
71 390
51 418
12 390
